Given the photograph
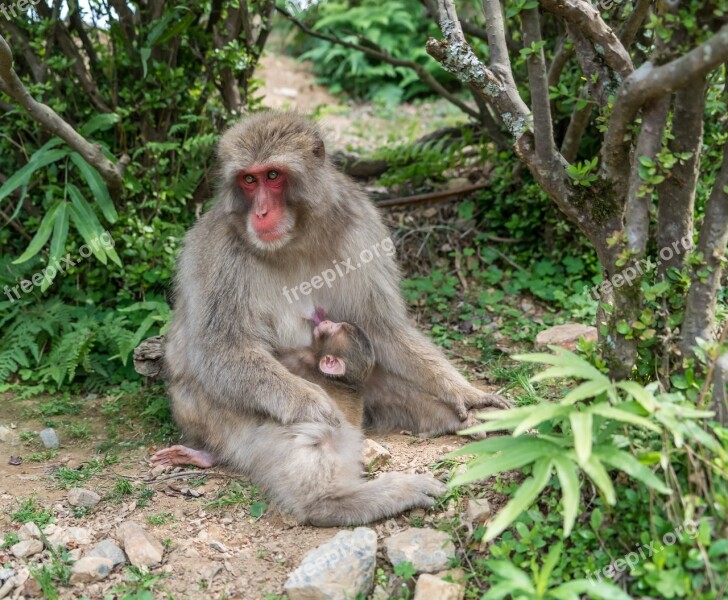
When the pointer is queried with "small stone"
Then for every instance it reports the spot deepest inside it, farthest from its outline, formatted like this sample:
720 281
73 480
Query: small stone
374 455
29 531
565 336
339 569
108 549
428 550
140 546
157 471
68 536
457 183
8 436
478 511
49 438
15 581
83 497
26 548
219 546
90 569
429 587
6 574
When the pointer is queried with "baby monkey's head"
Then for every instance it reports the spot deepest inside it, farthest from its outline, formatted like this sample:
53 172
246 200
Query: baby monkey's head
343 352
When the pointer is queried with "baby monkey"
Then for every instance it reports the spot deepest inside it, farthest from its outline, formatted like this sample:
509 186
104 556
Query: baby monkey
339 360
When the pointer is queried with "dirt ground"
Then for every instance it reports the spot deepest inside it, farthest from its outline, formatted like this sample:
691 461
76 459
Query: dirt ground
211 551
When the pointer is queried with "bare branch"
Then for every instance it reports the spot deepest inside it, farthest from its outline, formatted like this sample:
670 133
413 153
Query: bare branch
538 82
562 55
677 193
575 131
10 83
500 61
386 57
702 296
19 37
628 31
647 83
586 18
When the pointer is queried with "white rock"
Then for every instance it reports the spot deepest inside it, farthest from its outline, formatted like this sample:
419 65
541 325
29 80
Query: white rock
63 536
49 438
339 569
478 511
26 548
374 455
428 550
429 587
140 546
8 436
83 497
108 549
565 336
29 531
90 569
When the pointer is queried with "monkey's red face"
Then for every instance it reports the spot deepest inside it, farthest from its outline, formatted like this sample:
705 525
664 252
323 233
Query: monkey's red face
264 188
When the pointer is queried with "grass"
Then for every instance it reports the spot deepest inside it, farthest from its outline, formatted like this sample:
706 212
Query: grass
30 510
160 518
67 478
43 456
78 431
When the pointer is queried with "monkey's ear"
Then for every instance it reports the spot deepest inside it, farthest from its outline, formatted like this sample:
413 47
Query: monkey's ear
332 365
319 151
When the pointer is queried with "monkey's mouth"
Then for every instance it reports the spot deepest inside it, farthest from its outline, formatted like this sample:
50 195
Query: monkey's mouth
272 235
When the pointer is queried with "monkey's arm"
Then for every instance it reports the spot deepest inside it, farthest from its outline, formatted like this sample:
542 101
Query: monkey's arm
249 379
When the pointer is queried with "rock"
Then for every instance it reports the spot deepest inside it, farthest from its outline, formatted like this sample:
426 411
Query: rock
49 438
428 550
108 549
565 336
457 183
478 511
429 587
83 497
15 581
29 531
8 436
68 536
374 455
219 546
6 574
140 546
90 569
339 569
26 548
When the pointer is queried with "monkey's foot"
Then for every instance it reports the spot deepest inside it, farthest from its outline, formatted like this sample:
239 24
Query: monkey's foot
182 455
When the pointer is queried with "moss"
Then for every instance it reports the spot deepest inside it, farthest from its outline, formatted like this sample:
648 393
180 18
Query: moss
599 200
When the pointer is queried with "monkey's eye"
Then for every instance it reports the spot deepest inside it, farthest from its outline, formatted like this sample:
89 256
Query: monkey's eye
249 179
272 174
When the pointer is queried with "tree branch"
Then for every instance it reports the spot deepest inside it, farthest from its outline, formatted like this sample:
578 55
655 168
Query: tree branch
586 18
562 55
647 83
386 57
538 83
676 194
628 31
702 296
10 83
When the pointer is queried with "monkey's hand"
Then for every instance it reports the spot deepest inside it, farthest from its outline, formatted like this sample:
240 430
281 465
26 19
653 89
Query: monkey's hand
472 398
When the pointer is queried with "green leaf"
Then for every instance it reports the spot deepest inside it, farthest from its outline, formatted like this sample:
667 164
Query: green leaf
569 480
624 461
598 474
58 242
257 509
98 187
612 412
41 236
542 581
100 122
41 158
540 413
581 426
639 393
588 389
518 578
86 222
601 590
405 570
524 497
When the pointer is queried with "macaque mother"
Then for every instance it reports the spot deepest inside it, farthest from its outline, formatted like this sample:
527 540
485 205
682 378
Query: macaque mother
284 215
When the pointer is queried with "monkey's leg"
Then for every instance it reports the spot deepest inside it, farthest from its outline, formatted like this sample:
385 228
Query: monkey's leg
312 470
182 455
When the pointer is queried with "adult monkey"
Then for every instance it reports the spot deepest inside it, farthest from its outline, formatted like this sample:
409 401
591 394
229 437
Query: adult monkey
283 216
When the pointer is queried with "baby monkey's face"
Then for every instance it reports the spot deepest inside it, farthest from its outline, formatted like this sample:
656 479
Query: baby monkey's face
343 350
